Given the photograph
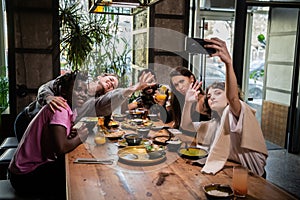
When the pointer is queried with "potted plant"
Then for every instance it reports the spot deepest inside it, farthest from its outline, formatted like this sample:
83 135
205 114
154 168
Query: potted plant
3 90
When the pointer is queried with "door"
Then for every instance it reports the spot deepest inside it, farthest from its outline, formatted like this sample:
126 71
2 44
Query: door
280 74
33 49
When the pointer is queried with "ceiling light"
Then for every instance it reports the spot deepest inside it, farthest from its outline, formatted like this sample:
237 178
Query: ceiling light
119 7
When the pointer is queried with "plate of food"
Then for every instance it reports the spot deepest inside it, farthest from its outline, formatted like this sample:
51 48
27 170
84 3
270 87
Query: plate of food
161 140
131 124
123 143
113 124
138 155
114 134
193 153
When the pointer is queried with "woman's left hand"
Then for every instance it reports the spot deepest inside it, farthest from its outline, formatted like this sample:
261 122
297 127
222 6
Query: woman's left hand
193 92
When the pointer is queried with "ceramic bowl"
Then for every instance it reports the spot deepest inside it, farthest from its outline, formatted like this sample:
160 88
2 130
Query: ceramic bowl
119 117
153 117
173 145
143 132
138 121
218 191
193 153
133 139
156 128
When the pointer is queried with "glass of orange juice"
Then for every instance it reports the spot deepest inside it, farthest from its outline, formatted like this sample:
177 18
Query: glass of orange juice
100 138
161 95
239 181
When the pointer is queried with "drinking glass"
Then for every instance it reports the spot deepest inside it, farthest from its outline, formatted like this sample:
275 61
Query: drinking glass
161 95
239 181
100 138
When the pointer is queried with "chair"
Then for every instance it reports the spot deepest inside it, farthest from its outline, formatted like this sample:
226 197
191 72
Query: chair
7 192
9 142
20 124
5 159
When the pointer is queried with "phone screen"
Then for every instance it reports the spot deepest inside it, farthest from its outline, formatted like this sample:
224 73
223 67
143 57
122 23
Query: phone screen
196 46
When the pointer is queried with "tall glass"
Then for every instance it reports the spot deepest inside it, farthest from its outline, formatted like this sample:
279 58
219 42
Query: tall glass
239 181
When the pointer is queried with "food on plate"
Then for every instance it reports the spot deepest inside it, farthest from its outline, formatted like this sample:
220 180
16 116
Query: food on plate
150 147
113 134
161 139
113 124
218 191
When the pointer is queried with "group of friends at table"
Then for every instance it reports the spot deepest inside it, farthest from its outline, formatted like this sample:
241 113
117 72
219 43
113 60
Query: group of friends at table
217 118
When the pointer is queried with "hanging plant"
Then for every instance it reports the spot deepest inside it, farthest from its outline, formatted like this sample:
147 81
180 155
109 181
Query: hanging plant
91 42
79 33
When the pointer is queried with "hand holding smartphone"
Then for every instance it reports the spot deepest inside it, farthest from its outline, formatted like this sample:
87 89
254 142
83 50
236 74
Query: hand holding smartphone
196 46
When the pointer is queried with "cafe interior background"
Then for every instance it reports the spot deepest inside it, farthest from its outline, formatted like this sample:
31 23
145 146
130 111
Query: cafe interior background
37 44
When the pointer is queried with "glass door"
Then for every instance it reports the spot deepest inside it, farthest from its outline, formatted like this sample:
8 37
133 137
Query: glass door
274 61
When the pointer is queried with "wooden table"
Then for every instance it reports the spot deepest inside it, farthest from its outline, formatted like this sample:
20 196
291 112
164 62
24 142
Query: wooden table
123 181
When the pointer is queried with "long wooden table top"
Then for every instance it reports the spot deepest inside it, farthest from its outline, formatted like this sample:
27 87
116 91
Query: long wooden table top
182 179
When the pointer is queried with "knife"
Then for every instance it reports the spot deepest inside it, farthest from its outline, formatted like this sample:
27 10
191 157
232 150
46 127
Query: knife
94 161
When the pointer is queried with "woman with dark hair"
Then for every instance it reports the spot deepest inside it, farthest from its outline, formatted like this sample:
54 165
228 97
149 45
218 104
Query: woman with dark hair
181 79
37 167
47 95
233 133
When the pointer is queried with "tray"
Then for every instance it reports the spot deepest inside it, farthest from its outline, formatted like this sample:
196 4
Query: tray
137 155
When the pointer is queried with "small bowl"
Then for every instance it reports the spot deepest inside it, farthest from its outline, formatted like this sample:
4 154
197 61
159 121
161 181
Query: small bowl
137 121
156 128
143 132
156 154
218 191
133 139
193 153
132 114
153 117
119 117
174 145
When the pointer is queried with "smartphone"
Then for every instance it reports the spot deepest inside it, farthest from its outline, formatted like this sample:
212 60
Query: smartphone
196 46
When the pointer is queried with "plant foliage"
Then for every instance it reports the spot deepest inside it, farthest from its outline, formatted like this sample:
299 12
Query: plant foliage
3 89
91 42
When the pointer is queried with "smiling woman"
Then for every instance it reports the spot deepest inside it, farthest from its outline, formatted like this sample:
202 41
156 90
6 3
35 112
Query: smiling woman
46 176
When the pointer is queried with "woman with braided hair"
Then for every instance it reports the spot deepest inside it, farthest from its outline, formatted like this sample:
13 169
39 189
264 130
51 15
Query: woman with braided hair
38 164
